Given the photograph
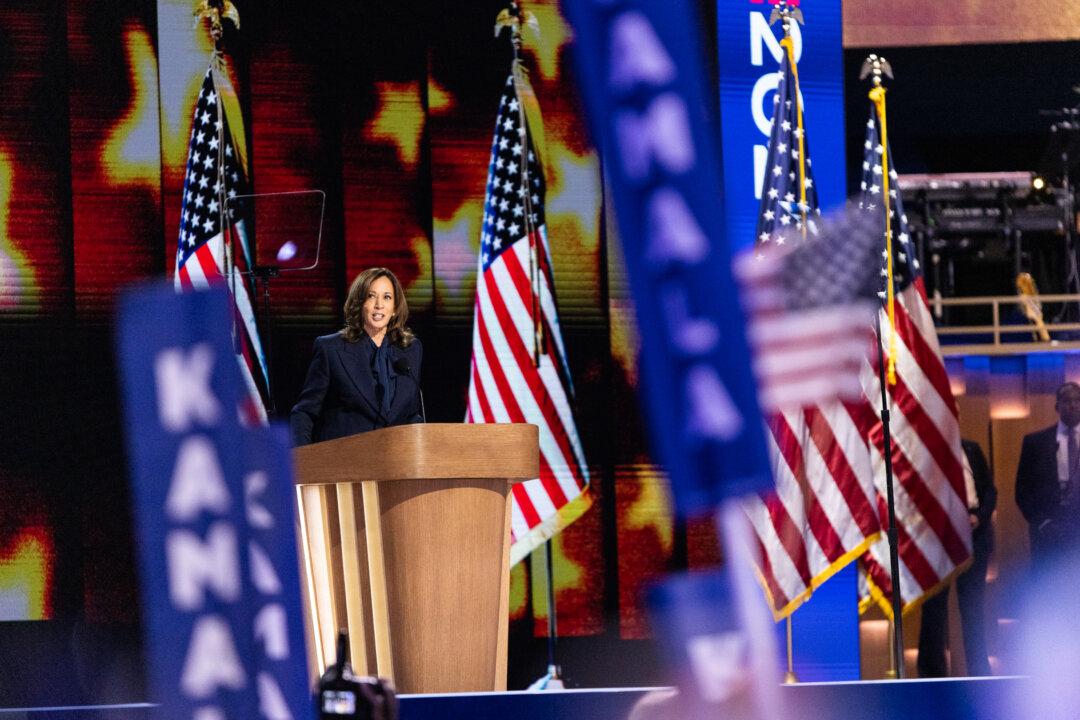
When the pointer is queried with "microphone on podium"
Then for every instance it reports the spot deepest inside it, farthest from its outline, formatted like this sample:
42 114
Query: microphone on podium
401 367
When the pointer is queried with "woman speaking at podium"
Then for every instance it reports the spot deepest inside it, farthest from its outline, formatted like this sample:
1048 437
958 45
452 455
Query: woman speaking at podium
366 375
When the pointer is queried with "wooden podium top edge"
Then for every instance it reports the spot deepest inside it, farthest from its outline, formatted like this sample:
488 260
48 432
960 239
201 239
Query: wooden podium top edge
501 451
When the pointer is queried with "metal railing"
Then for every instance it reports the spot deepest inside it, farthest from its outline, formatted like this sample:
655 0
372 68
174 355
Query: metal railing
996 345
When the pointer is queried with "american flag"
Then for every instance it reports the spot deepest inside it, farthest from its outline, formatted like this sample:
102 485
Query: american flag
927 459
519 371
805 289
206 254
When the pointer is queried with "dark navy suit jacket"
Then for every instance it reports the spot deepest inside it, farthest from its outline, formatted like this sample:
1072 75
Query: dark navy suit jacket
1038 493
339 398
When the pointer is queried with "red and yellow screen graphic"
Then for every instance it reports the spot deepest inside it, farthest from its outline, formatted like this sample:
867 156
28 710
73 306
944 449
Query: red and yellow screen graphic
26 569
387 108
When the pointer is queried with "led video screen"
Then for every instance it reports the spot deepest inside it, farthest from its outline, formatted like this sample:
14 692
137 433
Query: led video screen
388 109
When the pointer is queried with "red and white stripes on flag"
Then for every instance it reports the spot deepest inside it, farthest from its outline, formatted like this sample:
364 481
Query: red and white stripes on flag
822 515
213 245
519 371
811 330
927 459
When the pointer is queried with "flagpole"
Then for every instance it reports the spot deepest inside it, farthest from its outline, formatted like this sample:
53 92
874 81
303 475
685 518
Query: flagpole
513 17
894 552
786 13
876 67
790 678
214 13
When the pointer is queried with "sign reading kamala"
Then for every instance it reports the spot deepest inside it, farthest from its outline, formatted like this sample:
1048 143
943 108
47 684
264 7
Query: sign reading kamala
749 56
214 515
642 80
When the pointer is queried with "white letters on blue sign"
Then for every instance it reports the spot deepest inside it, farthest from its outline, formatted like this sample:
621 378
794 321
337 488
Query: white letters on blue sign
197 482
183 388
662 133
674 233
263 575
195 565
223 629
692 336
257 514
761 38
212 661
637 55
713 413
765 85
271 628
272 705
270 624
661 136
762 35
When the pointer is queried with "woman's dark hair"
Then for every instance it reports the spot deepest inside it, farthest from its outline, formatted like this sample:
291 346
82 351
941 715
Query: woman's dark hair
396 331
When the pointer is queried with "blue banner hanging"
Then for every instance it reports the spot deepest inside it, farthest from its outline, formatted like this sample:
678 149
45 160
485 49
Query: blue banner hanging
214 515
640 69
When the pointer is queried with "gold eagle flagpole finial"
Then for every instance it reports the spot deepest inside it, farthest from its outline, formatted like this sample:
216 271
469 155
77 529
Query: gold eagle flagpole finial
215 13
514 18
787 13
875 67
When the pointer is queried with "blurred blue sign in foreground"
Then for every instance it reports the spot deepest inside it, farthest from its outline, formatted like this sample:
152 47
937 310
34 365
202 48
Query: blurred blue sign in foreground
214 513
642 76
696 623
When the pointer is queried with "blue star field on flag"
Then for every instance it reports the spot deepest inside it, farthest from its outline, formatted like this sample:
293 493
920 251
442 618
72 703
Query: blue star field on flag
509 211
905 259
200 216
782 206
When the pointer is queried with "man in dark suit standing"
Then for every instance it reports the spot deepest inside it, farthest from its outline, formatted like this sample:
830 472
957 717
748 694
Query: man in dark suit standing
1048 479
970 585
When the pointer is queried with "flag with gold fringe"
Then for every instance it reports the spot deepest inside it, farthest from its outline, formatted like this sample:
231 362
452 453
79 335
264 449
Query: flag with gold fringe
821 515
519 370
927 458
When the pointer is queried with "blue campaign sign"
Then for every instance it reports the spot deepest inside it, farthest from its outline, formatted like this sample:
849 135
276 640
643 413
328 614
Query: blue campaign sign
213 510
696 622
641 73
749 58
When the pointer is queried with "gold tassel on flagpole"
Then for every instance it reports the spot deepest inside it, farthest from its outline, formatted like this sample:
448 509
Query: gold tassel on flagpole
790 47
877 96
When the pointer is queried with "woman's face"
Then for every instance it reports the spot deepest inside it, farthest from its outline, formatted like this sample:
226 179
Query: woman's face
378 306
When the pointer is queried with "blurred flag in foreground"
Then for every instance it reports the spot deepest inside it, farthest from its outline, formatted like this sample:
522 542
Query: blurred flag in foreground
810 310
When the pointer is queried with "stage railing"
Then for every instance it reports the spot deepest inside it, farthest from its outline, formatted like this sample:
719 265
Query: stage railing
1004 339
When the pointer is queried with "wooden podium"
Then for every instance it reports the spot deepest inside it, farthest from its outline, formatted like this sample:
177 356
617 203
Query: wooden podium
406 540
